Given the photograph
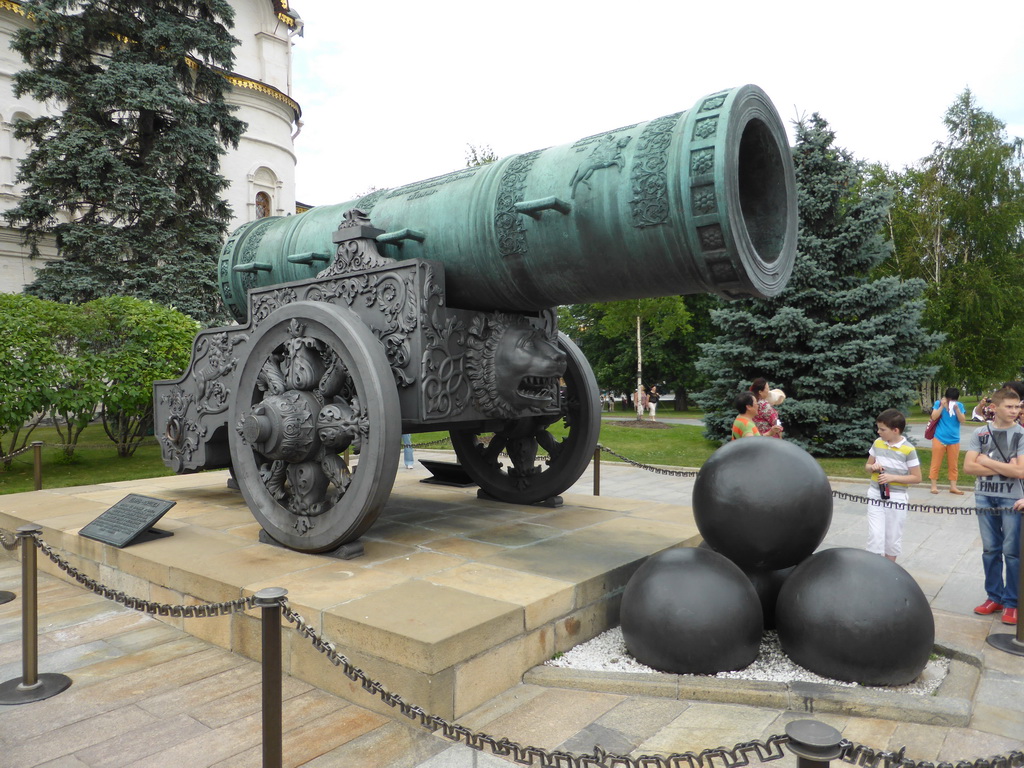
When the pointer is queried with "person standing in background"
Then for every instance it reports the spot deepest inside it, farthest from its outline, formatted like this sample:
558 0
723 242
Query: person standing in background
767 418
894 466
992 456
640 401
746 408
946 442
652 401
407 450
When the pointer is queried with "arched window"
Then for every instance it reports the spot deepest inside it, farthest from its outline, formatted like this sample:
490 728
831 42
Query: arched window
265 194
13 152
262 205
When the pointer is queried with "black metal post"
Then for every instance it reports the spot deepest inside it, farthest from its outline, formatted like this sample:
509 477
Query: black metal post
1004 641
597 471
270 601
813 743
31 686
37 464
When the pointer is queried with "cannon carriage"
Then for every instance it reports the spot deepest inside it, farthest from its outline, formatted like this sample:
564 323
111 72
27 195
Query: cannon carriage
433 307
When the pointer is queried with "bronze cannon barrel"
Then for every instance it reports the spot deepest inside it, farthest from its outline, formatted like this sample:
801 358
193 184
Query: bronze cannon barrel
702 201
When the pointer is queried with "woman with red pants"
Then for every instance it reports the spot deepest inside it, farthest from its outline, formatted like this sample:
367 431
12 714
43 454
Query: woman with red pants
946 442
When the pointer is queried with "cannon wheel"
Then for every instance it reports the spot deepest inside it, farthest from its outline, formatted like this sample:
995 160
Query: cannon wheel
315 382
506 464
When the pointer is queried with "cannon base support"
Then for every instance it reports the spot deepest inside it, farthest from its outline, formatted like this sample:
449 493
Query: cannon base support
452 602
551 501
349 551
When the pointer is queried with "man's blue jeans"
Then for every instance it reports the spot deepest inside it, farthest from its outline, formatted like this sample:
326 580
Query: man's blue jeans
1000 541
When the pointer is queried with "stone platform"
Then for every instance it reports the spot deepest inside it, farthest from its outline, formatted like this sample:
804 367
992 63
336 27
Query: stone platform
453 600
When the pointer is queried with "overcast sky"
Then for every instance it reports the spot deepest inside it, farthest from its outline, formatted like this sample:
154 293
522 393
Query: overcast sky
393 91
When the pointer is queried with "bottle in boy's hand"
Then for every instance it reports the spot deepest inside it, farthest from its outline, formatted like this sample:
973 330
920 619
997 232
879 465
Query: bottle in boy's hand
883 488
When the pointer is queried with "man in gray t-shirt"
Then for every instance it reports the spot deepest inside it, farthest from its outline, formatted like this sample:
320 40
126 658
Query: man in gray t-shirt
994 455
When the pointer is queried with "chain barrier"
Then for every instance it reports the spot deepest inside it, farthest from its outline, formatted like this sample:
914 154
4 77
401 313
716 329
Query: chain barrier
10 457
739 755
858 754
735 757
431 444
649 467
203 611
936 509
17 453
107 444
842 495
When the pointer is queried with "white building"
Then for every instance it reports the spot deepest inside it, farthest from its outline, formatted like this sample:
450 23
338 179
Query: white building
261 170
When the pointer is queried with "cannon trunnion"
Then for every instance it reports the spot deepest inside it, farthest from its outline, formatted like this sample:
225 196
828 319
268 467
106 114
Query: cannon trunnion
431 307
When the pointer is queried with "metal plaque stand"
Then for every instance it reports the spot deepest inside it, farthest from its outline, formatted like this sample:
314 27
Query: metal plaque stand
129 521
446 473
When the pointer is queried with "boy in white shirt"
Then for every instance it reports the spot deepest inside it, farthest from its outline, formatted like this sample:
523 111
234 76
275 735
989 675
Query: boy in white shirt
894 465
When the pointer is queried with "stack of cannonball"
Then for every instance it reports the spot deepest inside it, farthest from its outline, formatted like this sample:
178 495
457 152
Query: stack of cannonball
763 506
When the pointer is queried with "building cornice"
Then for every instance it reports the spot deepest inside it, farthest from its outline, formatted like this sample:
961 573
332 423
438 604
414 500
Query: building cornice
268 90
241 81
237 80
9 5
282 10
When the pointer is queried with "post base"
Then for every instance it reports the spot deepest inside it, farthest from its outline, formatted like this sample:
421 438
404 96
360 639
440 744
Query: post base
1008 643
6 597
47 685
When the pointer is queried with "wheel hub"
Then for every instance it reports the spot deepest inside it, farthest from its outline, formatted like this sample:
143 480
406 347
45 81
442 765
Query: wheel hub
283 426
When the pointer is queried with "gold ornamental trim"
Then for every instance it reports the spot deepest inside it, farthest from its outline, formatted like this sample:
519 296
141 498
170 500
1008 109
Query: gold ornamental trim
281 10
268 90
8 5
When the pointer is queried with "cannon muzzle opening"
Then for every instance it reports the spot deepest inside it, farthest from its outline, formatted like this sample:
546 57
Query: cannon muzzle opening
762 192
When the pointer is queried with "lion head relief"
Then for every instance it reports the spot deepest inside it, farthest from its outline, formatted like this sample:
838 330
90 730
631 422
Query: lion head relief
513 366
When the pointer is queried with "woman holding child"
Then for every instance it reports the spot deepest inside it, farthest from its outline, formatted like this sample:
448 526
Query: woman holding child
767 418
946 442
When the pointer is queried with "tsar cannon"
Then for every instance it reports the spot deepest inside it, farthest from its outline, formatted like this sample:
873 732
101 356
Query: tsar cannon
433 307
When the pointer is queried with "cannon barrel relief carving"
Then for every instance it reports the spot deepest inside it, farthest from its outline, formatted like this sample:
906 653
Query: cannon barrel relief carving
433 307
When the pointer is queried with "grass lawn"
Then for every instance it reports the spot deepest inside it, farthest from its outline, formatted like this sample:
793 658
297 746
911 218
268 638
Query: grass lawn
96 460
684 446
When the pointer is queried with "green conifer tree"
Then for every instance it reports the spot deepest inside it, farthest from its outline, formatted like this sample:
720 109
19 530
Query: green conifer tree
843 347
127 175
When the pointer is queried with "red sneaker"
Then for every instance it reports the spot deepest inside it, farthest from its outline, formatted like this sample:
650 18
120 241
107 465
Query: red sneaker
988 607
1010 616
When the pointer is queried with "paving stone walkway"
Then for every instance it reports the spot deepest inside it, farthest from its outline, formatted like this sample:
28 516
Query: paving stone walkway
147 694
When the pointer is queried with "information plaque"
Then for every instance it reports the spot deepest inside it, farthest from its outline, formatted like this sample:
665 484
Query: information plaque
129 521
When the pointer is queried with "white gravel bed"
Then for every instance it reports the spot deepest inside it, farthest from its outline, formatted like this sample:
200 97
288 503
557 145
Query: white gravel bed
607 653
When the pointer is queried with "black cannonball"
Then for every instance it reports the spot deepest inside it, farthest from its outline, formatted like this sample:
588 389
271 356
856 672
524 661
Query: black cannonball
763 503
691 611
852 615
767 584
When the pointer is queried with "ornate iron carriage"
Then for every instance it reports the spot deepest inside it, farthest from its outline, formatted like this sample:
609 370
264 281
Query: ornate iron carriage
432 307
